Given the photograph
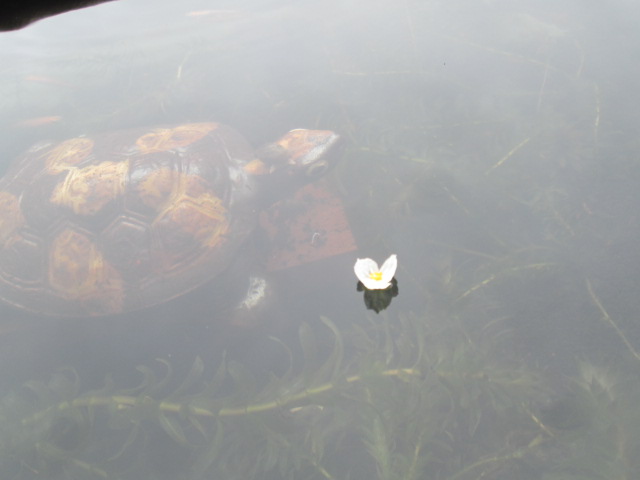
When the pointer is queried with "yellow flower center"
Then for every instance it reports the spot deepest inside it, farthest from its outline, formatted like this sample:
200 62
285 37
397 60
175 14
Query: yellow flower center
377 276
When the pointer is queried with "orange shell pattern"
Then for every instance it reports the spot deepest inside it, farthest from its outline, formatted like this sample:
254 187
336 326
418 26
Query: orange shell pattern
79 272
67 154
86 190
150 197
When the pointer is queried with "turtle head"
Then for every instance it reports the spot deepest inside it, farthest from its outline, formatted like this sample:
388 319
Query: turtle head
299 157
305 153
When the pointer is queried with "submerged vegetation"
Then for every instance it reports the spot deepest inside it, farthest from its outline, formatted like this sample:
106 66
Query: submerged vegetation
409 400
403 403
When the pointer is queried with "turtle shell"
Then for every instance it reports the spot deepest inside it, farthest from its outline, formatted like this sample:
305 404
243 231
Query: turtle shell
124 220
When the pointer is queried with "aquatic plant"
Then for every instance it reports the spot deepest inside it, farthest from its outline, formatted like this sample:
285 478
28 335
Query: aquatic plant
400 402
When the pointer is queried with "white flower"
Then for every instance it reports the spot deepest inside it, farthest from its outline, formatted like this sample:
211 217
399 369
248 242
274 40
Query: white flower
372 277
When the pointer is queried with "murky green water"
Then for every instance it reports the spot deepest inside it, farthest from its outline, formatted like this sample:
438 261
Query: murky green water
491 146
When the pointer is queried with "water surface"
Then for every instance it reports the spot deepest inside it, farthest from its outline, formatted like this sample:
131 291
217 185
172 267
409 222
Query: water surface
491 146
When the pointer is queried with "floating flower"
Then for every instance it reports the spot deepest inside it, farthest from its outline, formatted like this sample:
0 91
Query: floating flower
372 277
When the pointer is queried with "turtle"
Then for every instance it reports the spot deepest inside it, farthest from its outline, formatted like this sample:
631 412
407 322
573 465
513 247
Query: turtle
123 220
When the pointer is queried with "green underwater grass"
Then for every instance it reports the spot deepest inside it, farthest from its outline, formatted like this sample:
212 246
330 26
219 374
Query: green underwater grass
408 400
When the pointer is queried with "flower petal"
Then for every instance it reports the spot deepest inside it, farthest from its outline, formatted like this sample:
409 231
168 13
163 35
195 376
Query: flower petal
388 268
371 284
372 277
363 268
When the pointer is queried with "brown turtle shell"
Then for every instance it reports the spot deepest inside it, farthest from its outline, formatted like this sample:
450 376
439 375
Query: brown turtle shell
124 220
